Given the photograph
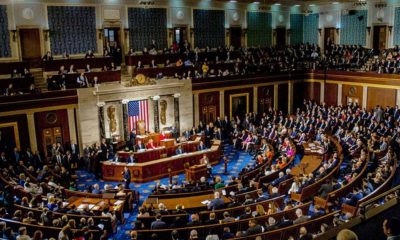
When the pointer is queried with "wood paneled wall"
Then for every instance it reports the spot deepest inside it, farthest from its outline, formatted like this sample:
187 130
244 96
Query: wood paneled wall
209 106
381 96
265 98
305 90
22 124
283 92
43 120
331 94
352 92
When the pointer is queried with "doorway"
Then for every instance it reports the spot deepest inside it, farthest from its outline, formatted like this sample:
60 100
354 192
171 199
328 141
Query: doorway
180 35
30 46
329 37
208 114
235 36
379 37
50 136
280 36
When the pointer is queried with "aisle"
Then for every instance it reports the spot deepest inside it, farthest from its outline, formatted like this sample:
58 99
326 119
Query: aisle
237 161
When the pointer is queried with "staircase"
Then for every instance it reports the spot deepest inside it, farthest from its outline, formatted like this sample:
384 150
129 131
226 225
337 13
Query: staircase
40 82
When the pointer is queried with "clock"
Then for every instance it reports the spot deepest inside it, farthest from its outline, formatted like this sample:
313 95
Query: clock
27 13
140 78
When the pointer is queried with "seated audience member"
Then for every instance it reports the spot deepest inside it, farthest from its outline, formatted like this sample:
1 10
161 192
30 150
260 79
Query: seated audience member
216 203
391 228
150 144
48 56
82 80
89 54
158 223
300 217
140 146
347 234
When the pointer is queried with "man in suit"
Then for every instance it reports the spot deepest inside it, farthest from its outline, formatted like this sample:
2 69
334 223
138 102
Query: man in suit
246 214
325 189
216 203
74 148
300 217
179 150
127 177
201 146
140 146
117 158
131 158
158 223
391 228
57 159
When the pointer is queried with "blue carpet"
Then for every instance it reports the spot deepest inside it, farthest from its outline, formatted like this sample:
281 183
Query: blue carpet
237 161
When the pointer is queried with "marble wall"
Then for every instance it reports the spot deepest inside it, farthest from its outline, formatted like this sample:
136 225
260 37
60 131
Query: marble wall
90 98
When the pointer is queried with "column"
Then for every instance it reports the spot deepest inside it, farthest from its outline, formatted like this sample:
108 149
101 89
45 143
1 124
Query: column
255 99
196 109
322 93
72 126
32 132
364 98
125 118
290 97
339 94
156 99
276 90
176 113
398 97
100 111
221 104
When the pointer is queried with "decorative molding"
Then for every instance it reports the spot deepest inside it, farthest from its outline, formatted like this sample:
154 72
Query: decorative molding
101 104
177 95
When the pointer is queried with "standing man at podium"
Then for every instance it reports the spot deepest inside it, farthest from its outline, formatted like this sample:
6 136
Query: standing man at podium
204 160
127 177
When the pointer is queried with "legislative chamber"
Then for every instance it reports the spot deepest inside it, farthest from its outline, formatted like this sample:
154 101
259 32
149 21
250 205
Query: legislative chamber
211 120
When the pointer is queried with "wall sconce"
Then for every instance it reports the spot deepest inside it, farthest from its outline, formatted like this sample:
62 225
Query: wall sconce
244 32
101 30
14 34
369 30
320 31
46 33
390 29
337 30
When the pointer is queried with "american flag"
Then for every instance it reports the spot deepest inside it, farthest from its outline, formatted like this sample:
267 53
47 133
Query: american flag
138 111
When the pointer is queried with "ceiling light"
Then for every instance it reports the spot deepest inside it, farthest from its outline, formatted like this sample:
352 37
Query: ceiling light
312 5
335 3
232 1
256 2
297 5
277 4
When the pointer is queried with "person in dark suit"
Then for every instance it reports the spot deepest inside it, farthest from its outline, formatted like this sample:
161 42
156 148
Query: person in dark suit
179 150
391 228
131 158
325 189
74 148
246 214
201 146
127 177
140 146
216 203
158 223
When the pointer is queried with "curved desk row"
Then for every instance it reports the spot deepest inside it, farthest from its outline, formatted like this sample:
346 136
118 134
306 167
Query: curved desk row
151 170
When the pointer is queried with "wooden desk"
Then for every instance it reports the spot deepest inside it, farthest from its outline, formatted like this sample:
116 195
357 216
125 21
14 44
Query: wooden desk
154 136
157 153
167 142
195 172
98 205
308 164
191 203
151 170
313 148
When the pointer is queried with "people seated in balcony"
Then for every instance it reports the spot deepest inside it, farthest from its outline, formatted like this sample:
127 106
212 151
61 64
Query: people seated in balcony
82 80
48 56
89 54
71 69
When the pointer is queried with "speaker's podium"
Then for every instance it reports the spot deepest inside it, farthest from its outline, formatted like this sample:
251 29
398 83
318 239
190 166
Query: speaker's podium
194 173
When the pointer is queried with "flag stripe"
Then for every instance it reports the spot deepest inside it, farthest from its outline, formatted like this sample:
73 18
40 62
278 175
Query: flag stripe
138 111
